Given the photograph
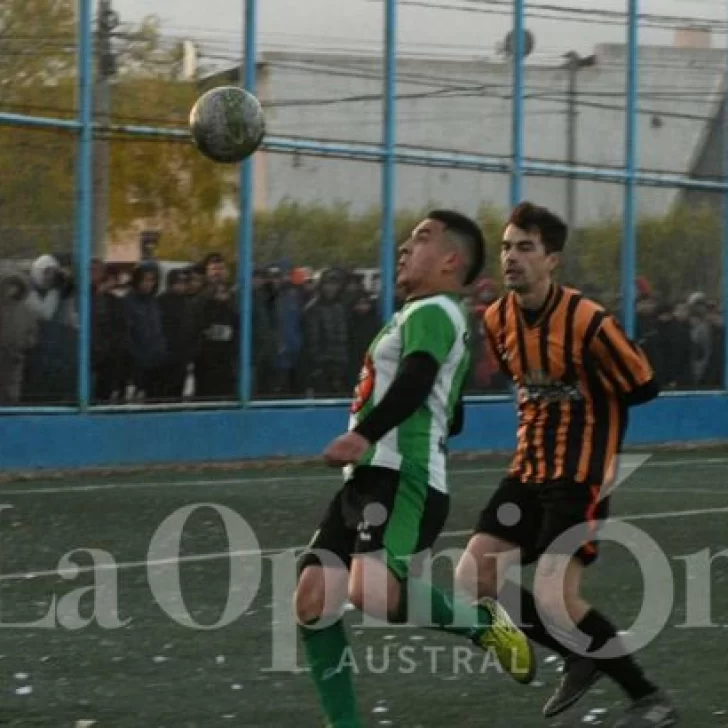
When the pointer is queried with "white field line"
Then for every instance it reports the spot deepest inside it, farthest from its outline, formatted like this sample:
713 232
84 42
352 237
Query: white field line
198 558
324 477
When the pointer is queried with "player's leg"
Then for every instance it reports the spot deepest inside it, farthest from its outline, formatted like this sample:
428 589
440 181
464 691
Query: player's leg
384 584
504 539
387 592
402 519
319 600
575 510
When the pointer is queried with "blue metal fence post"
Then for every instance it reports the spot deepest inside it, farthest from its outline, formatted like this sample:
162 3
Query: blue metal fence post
245 241
629 235
389 163
84 198
725 220
519 18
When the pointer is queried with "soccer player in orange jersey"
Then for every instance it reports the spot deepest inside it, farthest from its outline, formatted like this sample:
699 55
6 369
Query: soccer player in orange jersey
576 375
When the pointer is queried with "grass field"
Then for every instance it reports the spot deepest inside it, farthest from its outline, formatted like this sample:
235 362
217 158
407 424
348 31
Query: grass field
155 672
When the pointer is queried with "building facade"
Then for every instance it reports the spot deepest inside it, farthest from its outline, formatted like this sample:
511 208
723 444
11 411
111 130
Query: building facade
573 113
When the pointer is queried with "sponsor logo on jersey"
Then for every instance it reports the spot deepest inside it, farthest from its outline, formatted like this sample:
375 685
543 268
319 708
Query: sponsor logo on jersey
365 387
538 386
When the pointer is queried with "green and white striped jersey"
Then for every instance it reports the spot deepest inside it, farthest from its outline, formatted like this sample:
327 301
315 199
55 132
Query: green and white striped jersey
437 325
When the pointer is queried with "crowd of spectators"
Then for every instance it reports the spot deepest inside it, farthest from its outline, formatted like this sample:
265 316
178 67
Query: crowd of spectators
178 338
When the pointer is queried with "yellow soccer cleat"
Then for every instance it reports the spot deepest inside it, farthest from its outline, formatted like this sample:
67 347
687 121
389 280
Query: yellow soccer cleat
512 648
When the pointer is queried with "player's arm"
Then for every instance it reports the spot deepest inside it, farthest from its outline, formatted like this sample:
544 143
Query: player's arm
624 363
407 393
428 337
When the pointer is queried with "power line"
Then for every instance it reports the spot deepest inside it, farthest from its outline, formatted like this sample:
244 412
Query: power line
122 137
706 95
574 14
593 12
336 66
445 94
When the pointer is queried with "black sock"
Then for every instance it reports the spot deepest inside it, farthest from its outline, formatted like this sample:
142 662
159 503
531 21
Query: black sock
623 670
519 601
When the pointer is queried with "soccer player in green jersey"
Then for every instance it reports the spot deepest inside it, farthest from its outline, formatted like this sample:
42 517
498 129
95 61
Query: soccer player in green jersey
394 501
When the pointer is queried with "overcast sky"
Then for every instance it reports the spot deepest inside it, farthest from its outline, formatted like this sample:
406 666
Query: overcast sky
357 24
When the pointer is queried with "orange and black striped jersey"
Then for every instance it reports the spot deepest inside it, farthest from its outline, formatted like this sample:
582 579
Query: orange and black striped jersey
574 370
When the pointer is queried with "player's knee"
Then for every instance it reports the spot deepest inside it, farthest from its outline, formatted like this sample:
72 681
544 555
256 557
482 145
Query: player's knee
549 598
557 604
310 596
477 574
374 589
488 582
557 589
356 594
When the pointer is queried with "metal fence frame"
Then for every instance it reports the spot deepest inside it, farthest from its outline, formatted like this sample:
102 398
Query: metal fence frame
389 155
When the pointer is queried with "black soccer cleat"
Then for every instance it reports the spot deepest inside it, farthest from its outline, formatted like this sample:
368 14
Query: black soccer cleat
580 673
652 711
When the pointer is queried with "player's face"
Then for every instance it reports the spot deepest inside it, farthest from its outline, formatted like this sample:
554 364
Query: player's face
524 260
421 257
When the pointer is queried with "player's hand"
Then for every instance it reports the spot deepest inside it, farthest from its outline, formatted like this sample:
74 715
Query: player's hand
346 449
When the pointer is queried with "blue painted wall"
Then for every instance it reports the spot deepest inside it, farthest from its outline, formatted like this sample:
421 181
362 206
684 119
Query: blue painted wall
103 439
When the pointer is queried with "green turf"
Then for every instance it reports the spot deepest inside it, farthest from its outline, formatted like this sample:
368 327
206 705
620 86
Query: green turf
155 672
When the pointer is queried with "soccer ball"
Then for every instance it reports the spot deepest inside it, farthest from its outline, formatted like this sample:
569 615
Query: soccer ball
227 124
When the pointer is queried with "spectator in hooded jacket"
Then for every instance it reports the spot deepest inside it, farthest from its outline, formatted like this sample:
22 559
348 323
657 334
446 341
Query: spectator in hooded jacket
264 340
285 307
180 333
18 334
217 356
51 367
144 333
108 351
363 325
327 337
51 291
714 370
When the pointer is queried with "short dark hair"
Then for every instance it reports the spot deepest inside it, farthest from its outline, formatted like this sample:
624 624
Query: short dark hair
212 258
471 232
551 227
143 268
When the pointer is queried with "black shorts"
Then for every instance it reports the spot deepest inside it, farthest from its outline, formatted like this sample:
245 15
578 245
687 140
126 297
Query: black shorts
534 515
379 510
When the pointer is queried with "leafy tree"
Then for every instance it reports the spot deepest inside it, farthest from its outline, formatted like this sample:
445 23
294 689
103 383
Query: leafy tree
38 39
168 185
157 184
161 184
37 65
677 253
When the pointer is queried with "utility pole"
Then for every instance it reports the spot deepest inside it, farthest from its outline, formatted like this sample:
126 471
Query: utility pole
574 63
571 112
106 22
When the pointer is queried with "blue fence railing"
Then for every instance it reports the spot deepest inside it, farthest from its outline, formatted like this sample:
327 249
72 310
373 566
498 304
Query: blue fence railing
389 154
